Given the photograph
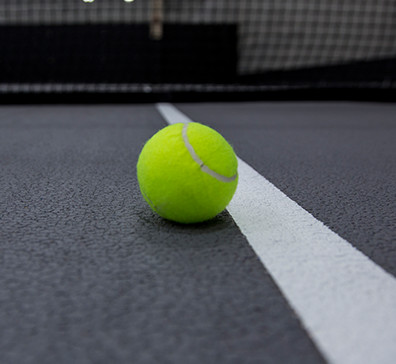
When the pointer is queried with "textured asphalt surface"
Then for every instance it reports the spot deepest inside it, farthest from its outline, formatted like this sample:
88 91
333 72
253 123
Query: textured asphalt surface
88 274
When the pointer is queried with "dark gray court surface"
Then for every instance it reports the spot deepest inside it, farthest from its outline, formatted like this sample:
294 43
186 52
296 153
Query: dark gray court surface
88 274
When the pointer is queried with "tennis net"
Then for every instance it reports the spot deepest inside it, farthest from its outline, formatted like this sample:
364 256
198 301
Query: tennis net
196 45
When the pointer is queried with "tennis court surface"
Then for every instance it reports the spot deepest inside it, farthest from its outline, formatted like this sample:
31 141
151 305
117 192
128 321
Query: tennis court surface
300 267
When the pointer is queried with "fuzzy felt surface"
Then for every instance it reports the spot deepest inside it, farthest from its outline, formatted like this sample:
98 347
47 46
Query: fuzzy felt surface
173 183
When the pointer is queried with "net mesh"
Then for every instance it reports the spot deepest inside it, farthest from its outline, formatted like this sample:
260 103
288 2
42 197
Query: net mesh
272 35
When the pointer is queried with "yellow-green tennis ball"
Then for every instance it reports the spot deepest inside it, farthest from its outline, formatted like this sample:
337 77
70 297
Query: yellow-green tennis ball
187 173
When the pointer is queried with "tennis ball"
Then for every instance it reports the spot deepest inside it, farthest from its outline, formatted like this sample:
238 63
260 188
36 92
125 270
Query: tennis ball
187 173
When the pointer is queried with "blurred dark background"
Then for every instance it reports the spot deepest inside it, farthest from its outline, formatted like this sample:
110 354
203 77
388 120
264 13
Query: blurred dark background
159 50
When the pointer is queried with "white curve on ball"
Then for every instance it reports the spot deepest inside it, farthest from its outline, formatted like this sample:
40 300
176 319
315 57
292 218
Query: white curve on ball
198 160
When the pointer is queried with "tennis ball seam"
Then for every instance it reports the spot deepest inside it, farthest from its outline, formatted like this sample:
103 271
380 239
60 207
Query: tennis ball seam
199 161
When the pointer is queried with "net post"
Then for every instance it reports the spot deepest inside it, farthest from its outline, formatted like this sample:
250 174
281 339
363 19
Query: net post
157 19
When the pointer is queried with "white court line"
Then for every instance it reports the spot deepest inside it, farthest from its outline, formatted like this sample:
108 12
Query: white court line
345 301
